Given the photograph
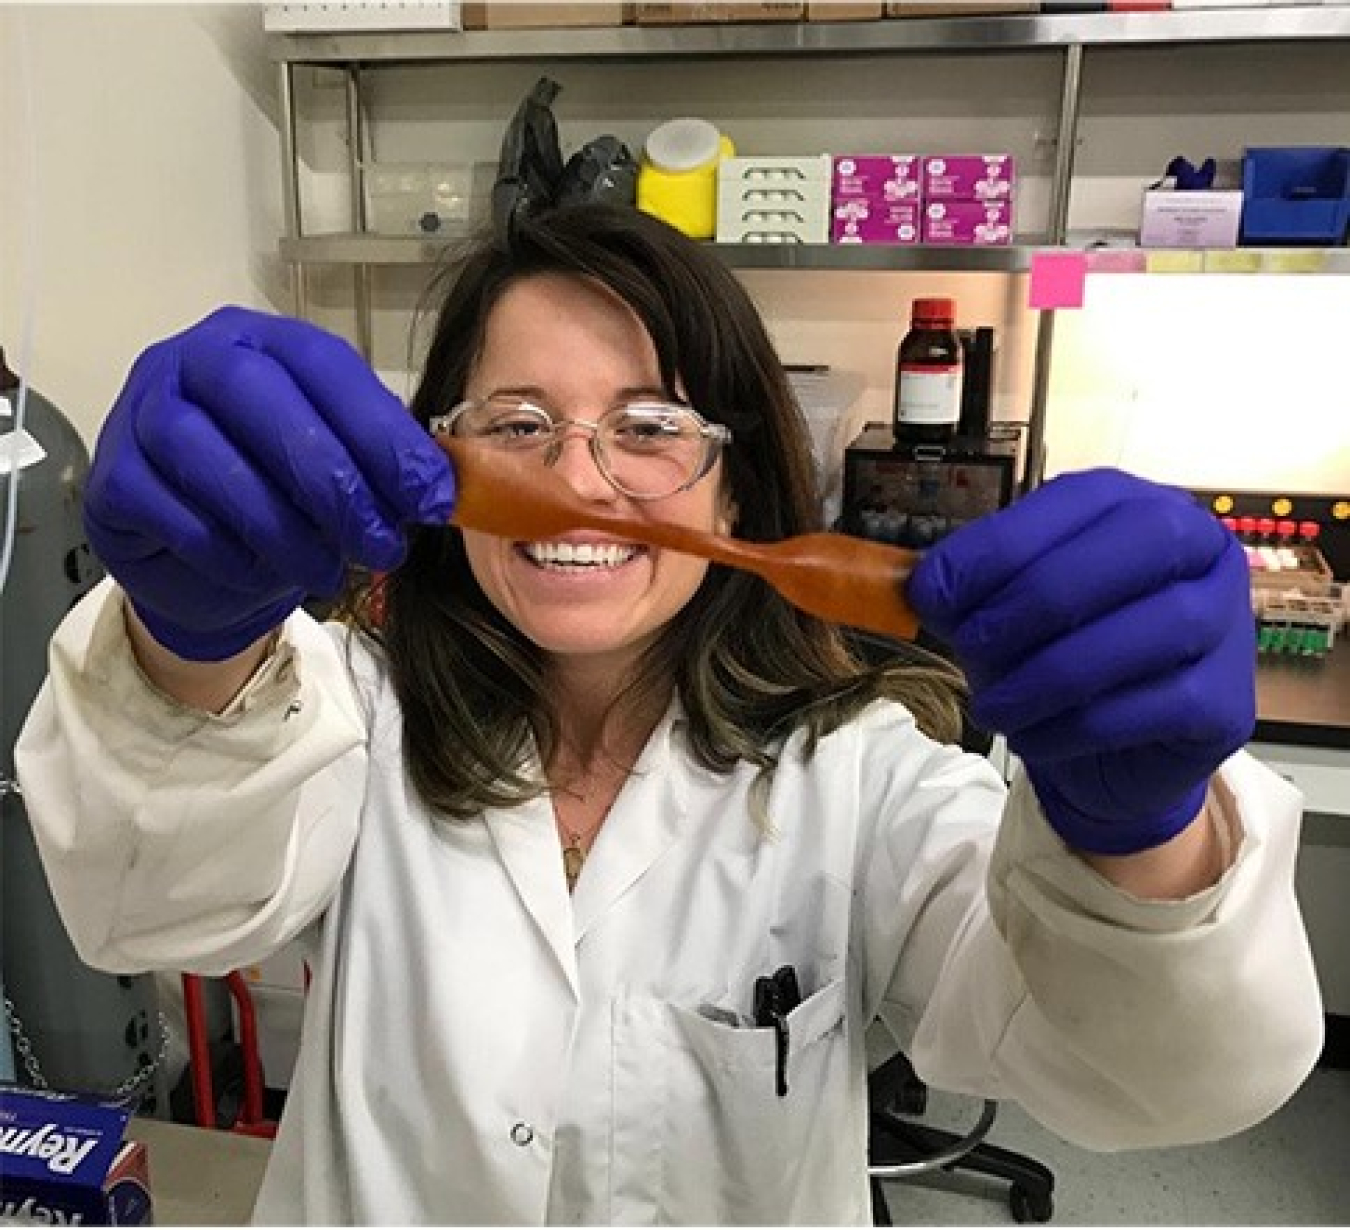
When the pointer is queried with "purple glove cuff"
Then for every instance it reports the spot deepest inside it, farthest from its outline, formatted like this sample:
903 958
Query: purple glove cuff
1116 834
219 643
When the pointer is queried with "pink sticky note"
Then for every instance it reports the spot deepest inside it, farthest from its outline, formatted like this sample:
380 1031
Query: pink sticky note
1057 279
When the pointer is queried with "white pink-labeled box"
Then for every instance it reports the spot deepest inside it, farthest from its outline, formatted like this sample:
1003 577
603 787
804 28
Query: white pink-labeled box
972 223
885 177
862 221
968 177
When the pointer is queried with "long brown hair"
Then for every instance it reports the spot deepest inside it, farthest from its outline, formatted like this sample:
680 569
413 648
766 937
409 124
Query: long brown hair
748 667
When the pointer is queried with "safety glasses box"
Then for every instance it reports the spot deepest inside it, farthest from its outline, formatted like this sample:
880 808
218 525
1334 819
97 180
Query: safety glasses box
64 1161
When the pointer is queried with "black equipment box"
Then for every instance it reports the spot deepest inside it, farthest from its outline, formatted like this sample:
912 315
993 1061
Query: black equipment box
913 495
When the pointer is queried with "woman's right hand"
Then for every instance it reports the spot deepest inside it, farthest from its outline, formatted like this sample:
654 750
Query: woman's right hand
247 462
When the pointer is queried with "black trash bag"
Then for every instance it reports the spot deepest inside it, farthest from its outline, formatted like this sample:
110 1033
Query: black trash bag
601 170
531 164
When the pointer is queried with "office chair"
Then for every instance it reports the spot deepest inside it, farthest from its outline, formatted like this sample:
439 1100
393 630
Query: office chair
898 1146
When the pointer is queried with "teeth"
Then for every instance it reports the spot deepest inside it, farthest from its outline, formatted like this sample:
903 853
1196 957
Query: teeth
580 554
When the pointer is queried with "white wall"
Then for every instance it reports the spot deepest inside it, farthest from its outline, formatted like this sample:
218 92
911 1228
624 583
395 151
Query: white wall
156 191
142 158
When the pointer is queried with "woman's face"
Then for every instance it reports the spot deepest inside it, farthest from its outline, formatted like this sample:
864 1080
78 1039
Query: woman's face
576 349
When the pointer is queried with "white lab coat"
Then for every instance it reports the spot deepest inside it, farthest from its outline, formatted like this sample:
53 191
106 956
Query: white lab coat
480 1048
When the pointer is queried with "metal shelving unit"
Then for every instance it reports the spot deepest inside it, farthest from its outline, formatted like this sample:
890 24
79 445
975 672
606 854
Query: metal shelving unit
1068 35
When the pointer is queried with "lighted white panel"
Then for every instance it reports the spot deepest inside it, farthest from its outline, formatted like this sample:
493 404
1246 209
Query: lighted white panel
1232 381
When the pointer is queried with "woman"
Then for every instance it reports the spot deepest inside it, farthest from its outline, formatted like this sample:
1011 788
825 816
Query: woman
562 823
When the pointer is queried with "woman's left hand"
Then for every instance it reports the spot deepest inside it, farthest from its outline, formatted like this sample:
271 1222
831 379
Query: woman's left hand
1105 625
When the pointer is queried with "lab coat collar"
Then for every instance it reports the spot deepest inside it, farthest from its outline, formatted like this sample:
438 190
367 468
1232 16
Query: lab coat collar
526 838
647 818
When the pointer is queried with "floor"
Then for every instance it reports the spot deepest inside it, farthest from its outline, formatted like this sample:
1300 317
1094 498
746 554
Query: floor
1291 1170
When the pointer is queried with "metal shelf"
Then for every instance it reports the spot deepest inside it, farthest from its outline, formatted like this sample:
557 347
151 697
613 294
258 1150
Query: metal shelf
1288 24
1220 262
361 249
357 249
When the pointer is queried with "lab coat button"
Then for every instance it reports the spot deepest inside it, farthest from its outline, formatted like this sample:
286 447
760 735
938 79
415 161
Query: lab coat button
522 1134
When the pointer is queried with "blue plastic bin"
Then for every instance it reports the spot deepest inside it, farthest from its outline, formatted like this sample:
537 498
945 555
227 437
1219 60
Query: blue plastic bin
1295 195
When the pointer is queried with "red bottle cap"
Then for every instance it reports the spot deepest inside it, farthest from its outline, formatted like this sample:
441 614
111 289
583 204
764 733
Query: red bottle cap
1230 524
1309 530
933 311
1266 526
1287 529
1247 525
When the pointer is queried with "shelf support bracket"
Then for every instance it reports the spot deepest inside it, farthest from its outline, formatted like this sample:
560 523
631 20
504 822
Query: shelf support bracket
356 177
1061 187
290 179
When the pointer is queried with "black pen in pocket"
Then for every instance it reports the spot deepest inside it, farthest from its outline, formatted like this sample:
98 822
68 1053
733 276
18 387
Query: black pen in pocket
776 996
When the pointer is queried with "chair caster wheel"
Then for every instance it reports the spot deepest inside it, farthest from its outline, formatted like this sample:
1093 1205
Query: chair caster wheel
1028 1206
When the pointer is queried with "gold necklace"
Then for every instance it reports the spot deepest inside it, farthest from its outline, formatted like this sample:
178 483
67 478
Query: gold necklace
574 857
574 852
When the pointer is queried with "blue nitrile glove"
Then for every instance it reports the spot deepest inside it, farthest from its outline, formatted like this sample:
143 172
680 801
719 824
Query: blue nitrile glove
1105 625
246 463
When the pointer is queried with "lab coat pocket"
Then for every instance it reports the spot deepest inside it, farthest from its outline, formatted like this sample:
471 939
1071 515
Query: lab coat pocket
701 1133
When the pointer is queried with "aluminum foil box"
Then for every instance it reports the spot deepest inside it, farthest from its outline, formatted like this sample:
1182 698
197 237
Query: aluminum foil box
64 1162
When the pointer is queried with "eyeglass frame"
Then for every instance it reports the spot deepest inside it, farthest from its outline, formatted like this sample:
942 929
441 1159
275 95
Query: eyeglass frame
715 437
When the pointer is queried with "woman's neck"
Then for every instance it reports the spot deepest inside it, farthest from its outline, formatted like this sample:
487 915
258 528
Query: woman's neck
599 727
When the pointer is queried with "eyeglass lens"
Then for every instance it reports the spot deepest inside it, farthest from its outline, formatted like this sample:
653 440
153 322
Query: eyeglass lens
646 449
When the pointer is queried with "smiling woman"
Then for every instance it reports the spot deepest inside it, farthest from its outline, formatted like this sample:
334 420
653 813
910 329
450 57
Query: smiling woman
550 824
579 346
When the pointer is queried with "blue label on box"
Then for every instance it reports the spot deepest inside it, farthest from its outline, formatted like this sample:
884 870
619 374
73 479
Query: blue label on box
68 1137
56 1152
64 1161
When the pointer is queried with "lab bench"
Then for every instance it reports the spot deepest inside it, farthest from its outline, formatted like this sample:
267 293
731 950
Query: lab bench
200 1177
1306 701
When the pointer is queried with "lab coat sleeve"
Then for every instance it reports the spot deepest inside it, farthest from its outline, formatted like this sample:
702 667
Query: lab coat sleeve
176 839
1116 1022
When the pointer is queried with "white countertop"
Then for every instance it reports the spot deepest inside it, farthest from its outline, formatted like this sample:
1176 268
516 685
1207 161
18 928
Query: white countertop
200 1177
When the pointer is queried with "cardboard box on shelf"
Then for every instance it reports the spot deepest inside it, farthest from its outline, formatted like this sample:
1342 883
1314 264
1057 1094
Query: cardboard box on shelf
968 177
980 224
543 15
864 221
843 10
887 177
698 12
959 8
306 16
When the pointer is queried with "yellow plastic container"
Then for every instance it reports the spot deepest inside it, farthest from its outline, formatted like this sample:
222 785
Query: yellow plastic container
687 198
